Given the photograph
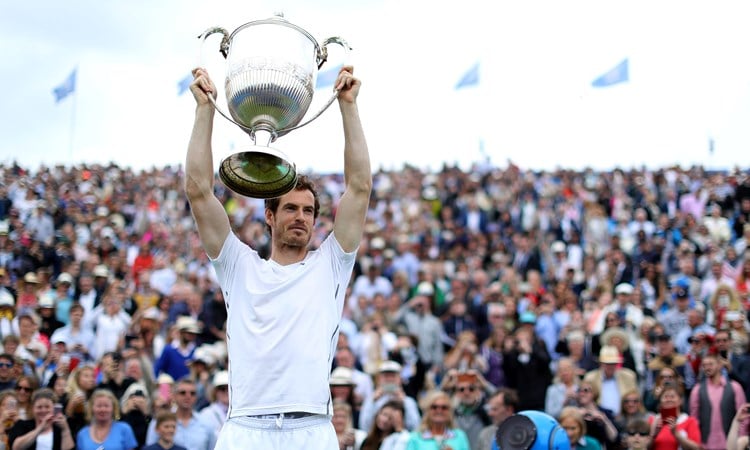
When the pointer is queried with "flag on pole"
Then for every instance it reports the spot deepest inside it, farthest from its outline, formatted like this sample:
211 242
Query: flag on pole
66 88
470 78
327 77
184 84
616 75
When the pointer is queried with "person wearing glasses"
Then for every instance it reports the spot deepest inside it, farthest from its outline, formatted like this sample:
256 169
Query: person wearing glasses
600 422
25 386
7 378
438 429
637 436
192 433
469 399
105 429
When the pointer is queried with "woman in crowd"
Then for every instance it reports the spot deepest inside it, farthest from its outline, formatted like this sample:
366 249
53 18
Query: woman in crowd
48 428
105 430
631 410
666 375
349 437
600 423
81 385
637 436
465 354
723 300
492 351
571 420
678 431
136 411
25 387
563 390
382 426
8 415
437 429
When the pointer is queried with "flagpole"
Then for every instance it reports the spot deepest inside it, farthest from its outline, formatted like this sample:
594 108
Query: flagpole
72 127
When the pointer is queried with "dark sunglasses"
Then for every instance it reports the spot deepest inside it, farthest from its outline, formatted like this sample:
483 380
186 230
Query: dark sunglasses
584 389
6 365
23 388
631 400
191 393
439 407
222 388
467 388
639 433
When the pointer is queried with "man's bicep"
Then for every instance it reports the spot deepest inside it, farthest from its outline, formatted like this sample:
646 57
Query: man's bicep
212 222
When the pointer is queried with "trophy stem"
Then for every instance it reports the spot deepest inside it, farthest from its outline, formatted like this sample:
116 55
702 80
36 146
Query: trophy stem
263 137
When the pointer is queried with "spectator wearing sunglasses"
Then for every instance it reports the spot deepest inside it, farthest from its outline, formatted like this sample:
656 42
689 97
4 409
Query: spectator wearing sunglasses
7 377
469 398
637 435
192 433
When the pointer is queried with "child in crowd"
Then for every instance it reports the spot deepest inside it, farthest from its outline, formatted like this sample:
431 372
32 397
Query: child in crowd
166 426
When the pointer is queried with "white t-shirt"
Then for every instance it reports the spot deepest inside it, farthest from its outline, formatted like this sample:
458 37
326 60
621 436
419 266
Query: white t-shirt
282 326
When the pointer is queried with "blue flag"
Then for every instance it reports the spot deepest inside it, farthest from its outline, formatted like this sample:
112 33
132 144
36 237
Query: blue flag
66 88
470 78
327 77
618 74
184 84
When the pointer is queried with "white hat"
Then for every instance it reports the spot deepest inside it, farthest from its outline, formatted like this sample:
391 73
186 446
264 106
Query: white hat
612 332
221 378
425 288
389 366
101 271
609 355
558 246
188 324
6 298
377 243
164 378
65 277
30 278
46 300
341 376
624 288
204 355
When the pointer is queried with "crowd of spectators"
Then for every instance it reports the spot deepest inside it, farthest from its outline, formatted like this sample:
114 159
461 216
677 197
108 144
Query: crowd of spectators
616 302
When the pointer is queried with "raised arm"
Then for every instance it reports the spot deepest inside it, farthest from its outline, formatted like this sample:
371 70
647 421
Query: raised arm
210 217
350 214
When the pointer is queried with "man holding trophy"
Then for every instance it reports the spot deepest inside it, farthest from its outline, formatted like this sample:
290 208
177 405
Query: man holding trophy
283 313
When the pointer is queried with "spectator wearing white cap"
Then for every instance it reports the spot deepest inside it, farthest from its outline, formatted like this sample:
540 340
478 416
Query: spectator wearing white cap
629 315
388 386
215 414
176 355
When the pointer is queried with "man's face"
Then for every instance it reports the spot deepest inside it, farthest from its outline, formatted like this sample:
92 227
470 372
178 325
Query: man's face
723 342
6 368
293 221
609 369
468 393
710 367
186 395
497 410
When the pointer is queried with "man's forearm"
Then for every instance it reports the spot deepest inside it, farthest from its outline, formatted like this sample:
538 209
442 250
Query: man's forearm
356 155
199 169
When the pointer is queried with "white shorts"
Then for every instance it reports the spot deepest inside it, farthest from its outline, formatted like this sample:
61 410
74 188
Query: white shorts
280 433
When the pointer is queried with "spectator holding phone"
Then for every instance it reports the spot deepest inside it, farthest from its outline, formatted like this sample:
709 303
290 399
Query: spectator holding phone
388 387
672 429
737 439
48 429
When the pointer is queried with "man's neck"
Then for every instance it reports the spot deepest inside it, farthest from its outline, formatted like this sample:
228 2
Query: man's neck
286 255
716 379
184 414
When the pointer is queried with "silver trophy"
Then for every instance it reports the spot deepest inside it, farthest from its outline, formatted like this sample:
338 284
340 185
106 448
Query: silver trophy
272 67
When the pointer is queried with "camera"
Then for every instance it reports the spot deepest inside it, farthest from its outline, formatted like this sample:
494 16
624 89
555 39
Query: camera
531 430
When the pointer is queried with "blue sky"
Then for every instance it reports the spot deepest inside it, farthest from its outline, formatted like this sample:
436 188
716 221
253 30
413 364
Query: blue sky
689 81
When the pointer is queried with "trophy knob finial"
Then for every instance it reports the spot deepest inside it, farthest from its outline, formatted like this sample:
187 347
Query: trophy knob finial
279 14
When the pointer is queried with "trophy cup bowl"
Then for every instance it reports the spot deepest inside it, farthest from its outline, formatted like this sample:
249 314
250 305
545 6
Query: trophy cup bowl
272 66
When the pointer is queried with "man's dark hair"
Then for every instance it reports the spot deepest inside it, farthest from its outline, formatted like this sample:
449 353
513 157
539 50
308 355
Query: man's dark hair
510 398
304 183
638 426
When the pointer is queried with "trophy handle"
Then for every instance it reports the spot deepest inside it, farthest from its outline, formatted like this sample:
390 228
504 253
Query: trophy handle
322 58
224 50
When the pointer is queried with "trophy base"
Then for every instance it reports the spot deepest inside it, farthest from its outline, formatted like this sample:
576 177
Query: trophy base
263 173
